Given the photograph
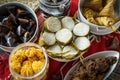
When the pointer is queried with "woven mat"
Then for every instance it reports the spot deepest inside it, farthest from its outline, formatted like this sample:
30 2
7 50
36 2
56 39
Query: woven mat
34 4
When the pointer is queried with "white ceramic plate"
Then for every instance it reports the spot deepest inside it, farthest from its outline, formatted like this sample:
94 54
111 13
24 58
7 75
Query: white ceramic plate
63 59
96 55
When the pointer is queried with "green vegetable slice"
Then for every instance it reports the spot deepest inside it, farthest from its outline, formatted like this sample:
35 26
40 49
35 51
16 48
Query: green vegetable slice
81 29
64 36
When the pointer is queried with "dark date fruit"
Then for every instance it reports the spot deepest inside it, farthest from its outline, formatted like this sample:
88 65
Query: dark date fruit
17 27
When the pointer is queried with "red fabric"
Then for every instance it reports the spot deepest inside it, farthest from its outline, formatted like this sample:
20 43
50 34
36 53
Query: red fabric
73 7
4 68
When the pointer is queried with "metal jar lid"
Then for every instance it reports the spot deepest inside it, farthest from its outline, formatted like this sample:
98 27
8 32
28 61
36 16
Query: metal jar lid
54 7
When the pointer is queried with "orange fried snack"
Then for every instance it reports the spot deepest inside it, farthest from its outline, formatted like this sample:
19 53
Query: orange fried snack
28 61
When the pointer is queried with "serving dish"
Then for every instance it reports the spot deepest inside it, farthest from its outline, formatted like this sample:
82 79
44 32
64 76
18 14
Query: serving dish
96 55
61 41
4 12
97 29
30 61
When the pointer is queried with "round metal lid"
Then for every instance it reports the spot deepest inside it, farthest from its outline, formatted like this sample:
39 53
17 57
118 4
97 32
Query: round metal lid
54 3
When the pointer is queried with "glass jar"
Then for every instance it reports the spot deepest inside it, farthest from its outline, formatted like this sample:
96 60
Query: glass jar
41 75
54 7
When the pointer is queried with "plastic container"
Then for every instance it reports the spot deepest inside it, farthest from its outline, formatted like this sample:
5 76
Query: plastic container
41 75
96 29
23 6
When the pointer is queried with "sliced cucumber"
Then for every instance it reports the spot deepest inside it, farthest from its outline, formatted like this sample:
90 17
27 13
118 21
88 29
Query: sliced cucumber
64 36
81 29
52 24
69 52
41 40
55 50
49 38
82 43
68 22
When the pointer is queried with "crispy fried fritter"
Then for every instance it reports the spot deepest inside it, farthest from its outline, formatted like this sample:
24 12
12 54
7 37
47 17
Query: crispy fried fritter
37 66
28 61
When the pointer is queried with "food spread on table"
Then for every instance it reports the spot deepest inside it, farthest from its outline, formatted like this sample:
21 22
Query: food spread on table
93 69
101 12
64 38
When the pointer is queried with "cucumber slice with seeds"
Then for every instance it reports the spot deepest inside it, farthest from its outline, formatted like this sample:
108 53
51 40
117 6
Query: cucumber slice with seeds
81 29
49 38
41 40
55 50
64 36
68 22
82 43
52 24
69 52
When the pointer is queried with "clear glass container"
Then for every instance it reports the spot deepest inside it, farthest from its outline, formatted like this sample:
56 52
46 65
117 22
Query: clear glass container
41 75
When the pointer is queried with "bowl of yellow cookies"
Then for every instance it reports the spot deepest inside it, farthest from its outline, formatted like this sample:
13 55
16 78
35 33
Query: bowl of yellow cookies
28 61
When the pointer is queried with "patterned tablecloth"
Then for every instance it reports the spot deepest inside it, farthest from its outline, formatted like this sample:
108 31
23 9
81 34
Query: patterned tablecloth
58 71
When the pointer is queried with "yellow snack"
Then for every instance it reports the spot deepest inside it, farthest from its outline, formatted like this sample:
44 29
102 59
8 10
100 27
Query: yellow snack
16 66
30 52
26 70
37 66
39 54
106 21
28 61
103 14
34 58
92 20
108 10
89 13
19 56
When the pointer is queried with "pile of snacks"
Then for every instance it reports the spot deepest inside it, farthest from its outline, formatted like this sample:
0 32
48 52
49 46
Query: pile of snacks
101 12
93 69
27 61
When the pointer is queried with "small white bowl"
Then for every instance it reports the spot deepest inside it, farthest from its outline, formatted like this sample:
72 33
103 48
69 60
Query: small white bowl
96 29
96 55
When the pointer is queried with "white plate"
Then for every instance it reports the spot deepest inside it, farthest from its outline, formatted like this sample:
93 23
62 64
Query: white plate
63 59
97 55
